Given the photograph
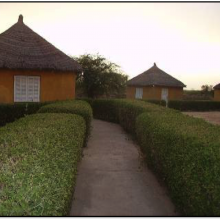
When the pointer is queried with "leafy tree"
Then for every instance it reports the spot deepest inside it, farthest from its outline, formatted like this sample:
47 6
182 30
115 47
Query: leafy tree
207 88
100 77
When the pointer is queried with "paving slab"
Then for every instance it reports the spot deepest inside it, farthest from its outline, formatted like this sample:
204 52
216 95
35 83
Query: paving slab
113 179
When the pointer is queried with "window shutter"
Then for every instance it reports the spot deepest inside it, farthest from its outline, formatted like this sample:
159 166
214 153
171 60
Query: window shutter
36 89
30 89
139 93
20 88
27 89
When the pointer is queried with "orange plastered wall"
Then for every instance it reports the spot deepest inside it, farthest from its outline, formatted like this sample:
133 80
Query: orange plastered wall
53 85
154 93
217 95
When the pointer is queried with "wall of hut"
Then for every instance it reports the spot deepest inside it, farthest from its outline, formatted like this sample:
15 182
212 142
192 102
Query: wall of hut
150 92
217 95
53 85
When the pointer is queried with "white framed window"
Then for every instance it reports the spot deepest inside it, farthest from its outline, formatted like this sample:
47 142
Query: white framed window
26 88
139 93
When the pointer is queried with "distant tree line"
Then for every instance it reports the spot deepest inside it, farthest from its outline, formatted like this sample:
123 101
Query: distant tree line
206 93
207 88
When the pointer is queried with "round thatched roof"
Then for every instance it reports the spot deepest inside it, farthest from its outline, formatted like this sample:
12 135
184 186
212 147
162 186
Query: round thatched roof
22 48
217 86
155 77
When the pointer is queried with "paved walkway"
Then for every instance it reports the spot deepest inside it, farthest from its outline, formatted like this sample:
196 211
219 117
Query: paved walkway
113 179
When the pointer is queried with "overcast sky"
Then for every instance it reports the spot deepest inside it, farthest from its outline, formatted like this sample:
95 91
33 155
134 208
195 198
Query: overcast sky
182 38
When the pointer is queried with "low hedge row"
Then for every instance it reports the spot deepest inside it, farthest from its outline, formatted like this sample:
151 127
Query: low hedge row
106 109
195 105
88 100
122 111
184 151
157 102
11 112
39 156
81 108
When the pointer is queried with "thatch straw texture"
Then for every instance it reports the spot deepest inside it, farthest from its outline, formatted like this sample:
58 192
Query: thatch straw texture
22 48
155 77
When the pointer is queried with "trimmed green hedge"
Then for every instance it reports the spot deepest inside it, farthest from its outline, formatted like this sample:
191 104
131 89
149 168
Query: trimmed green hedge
106 109
88 100
130 110
184 151
81 108
38 164
11 112
195 105
122 111
157 102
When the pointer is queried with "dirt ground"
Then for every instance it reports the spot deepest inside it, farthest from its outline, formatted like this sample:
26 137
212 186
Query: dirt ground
212 117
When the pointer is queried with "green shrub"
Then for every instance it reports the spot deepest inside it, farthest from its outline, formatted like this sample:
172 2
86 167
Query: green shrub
11 112
106 109
88 100
39 156
122 111
195 105
129 110
81 108
184 151
157 102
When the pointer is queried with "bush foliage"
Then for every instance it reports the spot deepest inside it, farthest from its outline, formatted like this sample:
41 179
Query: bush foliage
40 153
195 105
122 111
11 112
184 151
81 108
39 156
157 102
100 77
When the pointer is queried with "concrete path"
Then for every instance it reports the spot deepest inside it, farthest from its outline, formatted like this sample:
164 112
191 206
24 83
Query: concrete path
113 179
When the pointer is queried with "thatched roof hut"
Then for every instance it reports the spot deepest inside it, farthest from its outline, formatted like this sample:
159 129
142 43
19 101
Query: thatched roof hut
155 77
217 92
217 86
22 48
32 69
155 84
